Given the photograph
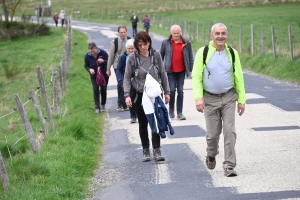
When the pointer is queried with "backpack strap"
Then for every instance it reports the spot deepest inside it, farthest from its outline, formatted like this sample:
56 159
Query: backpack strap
116 43
232 57
205 51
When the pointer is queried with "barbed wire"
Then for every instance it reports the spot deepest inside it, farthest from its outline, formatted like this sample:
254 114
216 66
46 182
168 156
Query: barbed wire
29 99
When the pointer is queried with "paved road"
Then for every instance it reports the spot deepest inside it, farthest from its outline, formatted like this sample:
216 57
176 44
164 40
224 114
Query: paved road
268 146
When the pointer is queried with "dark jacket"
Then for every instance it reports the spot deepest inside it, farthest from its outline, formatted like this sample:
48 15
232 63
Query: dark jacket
162 119
120 71
90 62
134 21
166 55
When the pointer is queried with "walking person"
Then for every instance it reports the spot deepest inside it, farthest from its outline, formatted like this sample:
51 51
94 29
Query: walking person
62 18
134 81
91 58
120 76
146 23
55 18
176 52
134 22
218 82
117 48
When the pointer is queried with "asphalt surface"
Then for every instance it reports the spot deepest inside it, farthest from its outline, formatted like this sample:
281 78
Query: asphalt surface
268 145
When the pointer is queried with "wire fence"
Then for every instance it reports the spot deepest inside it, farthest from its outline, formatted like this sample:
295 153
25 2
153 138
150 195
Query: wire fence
58 83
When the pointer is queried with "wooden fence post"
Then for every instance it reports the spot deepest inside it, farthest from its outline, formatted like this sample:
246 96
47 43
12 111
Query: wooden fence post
231 34
39 112
3 173
27 124
197 30
203 33
55 93
263 42
45 98
252 39
291 42
273 41
208 28
61 79
241 38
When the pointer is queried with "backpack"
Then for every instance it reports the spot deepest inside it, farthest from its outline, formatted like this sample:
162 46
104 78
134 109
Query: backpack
116 43
138 66
205 51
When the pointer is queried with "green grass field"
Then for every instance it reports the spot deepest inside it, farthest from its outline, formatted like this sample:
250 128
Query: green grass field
67 159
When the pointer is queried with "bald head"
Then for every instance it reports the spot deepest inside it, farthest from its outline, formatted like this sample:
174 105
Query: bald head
176 32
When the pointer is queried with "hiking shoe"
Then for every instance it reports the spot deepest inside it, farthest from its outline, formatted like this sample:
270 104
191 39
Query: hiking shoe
210 162
103 108
126 109
97 111
133 120
229 172
181 117
146 155
120 109
157 155
171 113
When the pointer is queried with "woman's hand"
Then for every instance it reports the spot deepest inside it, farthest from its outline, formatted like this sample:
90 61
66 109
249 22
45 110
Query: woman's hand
167 98
128 101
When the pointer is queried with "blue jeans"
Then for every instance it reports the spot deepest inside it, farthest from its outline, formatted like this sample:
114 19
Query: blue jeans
176 81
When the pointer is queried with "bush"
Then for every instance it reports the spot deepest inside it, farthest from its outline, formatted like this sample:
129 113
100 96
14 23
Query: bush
10 30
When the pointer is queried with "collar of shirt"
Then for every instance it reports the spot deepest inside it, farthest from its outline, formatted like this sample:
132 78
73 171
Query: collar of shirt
179 42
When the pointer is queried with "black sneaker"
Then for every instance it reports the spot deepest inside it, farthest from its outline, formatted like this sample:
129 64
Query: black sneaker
146 155
210 162
133 120
157 155
229 172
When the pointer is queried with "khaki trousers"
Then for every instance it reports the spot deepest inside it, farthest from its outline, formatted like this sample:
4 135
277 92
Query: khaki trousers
219 113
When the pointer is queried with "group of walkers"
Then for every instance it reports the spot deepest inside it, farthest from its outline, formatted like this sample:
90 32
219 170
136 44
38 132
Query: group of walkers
61 16
217 81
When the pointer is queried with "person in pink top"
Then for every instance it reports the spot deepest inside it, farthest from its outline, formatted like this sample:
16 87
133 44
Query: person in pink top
55 18
146 23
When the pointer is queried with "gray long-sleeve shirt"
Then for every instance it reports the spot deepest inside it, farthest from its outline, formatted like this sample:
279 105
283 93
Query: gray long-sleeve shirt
113 58
138 81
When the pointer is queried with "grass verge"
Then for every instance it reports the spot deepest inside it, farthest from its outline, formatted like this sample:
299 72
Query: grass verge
67 159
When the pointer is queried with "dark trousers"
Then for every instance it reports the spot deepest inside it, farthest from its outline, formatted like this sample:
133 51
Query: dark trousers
96 92
176 81
134 30
62 22
147 29
143 121
131 110
121 100
56 22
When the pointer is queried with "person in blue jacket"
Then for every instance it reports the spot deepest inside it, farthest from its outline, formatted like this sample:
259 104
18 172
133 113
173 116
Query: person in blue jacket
91 58
120 71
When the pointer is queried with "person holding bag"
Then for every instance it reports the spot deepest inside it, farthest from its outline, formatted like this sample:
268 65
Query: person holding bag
94 60
134 82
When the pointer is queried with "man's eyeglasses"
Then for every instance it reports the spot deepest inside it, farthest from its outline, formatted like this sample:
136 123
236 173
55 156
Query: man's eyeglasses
220 33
